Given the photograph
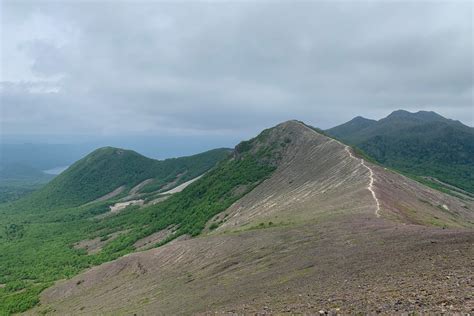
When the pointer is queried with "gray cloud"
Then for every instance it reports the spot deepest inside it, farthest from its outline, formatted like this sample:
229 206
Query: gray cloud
228 68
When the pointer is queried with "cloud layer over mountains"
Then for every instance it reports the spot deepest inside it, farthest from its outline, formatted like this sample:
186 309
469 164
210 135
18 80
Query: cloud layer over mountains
203 68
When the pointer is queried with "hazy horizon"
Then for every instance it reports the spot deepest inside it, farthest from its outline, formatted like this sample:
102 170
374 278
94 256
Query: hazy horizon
85 137
273 205
220 72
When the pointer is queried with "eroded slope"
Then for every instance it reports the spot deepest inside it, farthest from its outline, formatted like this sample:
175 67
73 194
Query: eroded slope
319 177
326 231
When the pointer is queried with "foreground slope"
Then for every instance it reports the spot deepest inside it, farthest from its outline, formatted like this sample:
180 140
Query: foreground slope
421 144
70 224
326 231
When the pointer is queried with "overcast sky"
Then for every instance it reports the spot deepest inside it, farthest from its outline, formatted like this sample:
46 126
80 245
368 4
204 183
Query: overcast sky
228 69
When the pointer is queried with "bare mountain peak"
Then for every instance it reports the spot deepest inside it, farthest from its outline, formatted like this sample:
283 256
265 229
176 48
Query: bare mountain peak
291 125
320 204
274 145
287 129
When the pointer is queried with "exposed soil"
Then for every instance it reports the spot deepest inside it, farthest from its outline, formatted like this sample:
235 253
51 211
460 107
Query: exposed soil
181 187
172 183
370 186
326 233
93 246
153 239
408 201
350 265
110 195
120 206
320 178
117 207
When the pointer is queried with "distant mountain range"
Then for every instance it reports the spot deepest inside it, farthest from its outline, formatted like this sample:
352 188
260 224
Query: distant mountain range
423 144
330 214
289 222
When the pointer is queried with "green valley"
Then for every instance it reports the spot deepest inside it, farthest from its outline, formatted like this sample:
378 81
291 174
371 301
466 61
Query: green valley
39 233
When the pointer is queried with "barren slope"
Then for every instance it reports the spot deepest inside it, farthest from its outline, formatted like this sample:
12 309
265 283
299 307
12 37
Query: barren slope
327 231
321 177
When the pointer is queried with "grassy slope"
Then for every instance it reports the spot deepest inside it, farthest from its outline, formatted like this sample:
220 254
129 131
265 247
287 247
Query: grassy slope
36 247
419 144
220 272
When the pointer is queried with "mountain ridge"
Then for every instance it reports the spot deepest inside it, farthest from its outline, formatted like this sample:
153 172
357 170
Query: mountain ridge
308 234
422 144
289 211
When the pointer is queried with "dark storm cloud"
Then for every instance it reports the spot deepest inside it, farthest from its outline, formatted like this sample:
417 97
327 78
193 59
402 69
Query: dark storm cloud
217 68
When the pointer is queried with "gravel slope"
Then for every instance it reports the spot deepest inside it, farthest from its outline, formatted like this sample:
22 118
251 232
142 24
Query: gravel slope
306 240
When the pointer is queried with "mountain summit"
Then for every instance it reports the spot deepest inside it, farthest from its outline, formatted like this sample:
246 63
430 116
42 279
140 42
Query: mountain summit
427 116
110 172
292 222
353 126
423 144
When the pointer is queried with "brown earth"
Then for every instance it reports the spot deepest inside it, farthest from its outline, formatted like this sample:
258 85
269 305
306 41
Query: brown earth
154 238
117 207
181 187
128 201
93 246
326 233
320 177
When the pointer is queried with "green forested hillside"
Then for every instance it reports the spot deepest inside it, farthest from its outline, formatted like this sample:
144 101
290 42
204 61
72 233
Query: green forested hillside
421 144
355 125
36 242
107 169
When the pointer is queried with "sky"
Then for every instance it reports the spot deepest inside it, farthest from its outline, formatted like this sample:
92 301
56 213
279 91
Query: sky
217 72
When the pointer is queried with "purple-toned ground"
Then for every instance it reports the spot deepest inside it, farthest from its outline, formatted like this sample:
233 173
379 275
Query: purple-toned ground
326 233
